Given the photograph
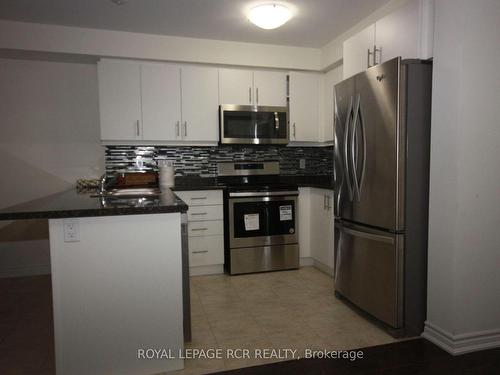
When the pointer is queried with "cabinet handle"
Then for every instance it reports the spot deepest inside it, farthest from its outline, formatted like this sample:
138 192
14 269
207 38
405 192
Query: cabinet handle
250 95
324 202
294 131
185 128
137 131
368 58
198 229
375 50
198 198
328 206
200 252
257 95
199 213
177 129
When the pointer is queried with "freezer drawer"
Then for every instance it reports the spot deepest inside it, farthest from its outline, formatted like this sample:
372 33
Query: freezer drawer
369 270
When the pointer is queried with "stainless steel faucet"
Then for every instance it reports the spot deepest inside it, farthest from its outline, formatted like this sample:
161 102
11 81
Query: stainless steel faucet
102 184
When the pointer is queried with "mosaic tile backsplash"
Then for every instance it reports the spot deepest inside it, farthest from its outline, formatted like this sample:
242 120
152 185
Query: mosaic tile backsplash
202 161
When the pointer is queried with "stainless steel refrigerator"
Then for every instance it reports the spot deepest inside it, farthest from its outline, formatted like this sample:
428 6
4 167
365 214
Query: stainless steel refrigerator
381 174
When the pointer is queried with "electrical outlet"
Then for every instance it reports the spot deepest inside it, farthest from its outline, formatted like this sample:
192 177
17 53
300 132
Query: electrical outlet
71 230
302 164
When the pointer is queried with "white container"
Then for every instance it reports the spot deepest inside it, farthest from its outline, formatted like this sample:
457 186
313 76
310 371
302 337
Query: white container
166 173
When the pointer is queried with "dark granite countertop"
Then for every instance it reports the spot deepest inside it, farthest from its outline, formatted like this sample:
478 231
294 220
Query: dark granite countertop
73 204
211 183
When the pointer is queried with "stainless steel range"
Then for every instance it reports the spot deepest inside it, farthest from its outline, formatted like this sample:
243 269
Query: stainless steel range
260 218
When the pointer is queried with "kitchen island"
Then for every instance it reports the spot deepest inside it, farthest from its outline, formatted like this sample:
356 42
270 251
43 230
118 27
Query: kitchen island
116 280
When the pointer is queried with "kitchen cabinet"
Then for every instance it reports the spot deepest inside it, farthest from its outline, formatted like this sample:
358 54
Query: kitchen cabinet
161 102
322 222
270 88
205 230
406 32
200 101
155 102
356 57
247 87
120 100
304 96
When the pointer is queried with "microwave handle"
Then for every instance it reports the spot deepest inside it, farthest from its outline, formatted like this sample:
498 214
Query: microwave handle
276 121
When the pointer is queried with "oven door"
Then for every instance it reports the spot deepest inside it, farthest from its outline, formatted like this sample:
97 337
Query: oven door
262 221
241 124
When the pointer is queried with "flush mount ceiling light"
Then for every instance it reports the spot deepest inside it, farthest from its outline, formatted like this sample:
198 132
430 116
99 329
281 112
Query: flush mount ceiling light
269 16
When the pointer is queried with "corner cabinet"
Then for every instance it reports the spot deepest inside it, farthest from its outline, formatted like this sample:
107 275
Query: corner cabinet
247 87
157 103
120 100
406 32
304 98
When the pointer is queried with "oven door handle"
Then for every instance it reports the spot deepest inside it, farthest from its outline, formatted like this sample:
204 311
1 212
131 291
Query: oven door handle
263 194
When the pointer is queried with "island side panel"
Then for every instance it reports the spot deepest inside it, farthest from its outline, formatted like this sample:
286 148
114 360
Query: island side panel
116 290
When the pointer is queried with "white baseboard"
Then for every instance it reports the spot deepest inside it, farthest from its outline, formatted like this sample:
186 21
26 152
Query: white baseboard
22 271
306 262
463 343
206 270
323 267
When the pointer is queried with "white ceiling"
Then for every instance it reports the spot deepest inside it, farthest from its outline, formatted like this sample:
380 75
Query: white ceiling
316 21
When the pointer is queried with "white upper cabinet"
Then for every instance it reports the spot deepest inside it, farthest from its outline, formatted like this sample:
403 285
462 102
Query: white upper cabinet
269 88
120 100
154 102
200 101
356 56
235 86
304 106
161 102
406 32
246 87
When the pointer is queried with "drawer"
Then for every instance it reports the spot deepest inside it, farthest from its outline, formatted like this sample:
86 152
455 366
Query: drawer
205 228
206 250
200 197
202 213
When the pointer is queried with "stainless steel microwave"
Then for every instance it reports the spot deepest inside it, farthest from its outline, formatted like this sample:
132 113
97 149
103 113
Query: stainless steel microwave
245 124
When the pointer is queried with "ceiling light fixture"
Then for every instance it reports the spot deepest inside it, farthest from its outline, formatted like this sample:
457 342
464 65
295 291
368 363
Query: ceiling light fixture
269 16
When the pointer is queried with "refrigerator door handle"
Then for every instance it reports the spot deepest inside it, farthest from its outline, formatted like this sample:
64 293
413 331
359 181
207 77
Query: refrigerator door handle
346 151
370 236
363 161
354 154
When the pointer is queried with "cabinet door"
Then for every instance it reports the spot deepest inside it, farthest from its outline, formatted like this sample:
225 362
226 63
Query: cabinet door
161 102
304 107
269 88
120 100
321 205
398 34
200 120
355 51
236 86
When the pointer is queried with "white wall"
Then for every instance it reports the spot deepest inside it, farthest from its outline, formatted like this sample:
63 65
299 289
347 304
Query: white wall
464 218
106 43
49 137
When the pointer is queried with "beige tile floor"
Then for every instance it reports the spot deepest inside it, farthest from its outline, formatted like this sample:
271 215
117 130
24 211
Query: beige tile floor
287 310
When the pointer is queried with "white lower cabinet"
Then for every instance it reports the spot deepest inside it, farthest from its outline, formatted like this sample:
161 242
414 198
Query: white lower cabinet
205 230
322 221
316 223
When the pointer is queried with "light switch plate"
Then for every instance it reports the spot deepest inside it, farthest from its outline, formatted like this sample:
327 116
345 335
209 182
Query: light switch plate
71 230
302 163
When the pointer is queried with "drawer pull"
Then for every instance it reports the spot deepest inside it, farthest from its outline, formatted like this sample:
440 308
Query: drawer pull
200 251
198 198
198 213
194 229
